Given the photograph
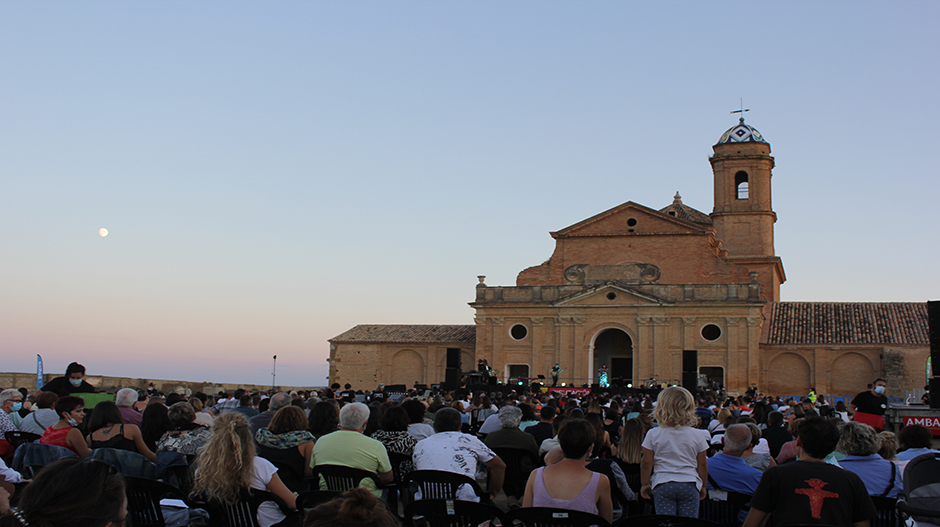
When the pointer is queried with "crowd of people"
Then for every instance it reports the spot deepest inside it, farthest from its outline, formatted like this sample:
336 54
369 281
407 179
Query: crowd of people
612 456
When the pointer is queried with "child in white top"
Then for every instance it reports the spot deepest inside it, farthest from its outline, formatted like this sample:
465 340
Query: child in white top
673 468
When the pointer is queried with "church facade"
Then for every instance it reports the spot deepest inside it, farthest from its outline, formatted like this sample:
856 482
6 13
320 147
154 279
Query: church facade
653 295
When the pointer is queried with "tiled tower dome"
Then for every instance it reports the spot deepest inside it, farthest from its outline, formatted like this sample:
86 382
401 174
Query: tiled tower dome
741 133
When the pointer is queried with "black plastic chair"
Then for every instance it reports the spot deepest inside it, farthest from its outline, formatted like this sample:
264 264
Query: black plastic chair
440 485
724 507
887 513
642 506
143 501
552 517
242 513
342 478
519 464
663 520
450 513
396 490
309 499
18 437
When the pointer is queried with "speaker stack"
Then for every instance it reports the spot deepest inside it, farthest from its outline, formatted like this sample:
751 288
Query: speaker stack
933 322
453 371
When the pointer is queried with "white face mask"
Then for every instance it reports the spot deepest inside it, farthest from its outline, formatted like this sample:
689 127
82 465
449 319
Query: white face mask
880 390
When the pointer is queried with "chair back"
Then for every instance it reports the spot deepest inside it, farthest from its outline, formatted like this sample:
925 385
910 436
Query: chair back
631 472
887 512
18 437
128 463
342 478
519 464
143 500
440 485
38 454
724 507
450 513
552 517
242 513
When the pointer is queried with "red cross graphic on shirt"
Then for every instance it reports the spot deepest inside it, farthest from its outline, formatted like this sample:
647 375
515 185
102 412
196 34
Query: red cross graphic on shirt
816 495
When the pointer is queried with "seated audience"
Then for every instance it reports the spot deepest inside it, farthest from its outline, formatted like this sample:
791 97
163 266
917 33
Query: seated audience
288 444
43 417
543 429
394 435
452 451
246 406
528 416
323 419
228 464
811 491
71 492
727 469
355 508
107 430
64 433
185 435
509 436
567 484
889 446
552 442
125 399
275 403
761 461
860 443
788 450
202 417
915 440
776 433
601 437
155 422
416 425
11 401
347 446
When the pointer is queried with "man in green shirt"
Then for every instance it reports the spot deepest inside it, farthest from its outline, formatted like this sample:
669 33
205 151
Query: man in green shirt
347 446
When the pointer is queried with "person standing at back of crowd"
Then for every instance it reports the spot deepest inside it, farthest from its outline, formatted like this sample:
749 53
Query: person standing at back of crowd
72 382
873 401
674 468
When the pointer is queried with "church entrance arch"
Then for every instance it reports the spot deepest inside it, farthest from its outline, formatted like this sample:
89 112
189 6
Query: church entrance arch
613 347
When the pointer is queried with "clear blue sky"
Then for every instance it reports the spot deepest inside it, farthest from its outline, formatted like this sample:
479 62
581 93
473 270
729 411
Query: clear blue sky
273 173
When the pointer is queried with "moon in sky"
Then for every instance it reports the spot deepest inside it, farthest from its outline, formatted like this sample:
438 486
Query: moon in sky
103 232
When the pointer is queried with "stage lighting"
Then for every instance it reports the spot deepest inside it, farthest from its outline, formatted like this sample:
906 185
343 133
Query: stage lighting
630 385
562 385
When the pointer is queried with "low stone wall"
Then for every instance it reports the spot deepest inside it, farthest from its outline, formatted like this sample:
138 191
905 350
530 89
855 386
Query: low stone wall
113 384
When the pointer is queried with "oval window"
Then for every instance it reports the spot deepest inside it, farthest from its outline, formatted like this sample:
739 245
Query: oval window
711 332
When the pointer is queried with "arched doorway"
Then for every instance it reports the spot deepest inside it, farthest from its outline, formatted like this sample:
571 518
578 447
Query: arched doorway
614 348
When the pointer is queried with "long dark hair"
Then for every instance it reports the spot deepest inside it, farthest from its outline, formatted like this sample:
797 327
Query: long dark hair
323 419
105 413
154 422
71 492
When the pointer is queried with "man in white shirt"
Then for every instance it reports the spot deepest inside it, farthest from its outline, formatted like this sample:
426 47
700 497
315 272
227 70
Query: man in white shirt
453 451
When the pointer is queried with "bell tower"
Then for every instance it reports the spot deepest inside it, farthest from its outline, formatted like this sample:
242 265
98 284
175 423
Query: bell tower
743 216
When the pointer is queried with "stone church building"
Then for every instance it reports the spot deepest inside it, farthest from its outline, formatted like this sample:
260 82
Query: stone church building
652 293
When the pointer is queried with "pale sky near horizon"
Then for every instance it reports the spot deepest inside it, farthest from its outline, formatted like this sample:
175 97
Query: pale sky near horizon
272 174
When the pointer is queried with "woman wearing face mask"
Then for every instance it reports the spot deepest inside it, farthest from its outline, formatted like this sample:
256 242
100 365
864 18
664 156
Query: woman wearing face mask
71 411
72 382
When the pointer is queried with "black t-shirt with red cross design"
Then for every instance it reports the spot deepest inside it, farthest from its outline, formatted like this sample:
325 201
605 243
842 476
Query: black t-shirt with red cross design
809 492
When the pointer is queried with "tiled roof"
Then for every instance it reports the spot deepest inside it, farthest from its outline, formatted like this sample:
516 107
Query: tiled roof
848 323
407 333
685 212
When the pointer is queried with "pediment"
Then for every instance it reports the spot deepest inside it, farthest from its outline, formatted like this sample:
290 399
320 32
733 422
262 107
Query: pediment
611 295
630 218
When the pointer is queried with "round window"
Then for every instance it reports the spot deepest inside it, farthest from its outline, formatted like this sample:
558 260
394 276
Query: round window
631 222
611 296
711 332
518 332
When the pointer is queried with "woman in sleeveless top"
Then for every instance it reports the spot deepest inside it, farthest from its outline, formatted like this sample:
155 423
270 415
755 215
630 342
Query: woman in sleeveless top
107 430
71 411
567 484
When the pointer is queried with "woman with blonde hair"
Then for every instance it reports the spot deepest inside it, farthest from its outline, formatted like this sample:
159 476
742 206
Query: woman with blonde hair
227 464
674 469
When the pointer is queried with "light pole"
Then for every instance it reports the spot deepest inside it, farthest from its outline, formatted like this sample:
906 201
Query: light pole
274 374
